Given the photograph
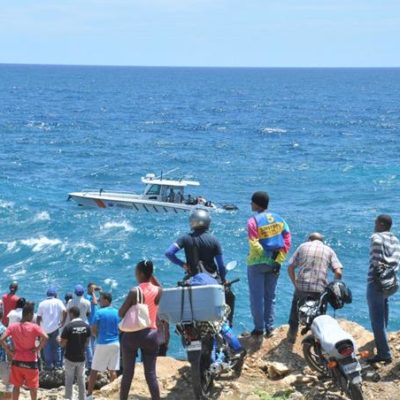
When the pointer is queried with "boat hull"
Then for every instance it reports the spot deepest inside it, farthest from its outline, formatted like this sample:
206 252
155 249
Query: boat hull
125 201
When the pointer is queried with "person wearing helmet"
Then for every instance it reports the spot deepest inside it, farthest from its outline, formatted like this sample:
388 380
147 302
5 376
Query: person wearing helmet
313 259
269 243
202 250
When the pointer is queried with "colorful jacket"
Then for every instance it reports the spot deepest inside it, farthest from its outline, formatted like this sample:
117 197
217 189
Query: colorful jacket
269 239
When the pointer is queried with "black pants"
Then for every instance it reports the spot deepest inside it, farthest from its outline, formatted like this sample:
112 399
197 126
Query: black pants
230 301
299 298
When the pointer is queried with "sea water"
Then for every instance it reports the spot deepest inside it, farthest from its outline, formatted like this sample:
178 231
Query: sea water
323 142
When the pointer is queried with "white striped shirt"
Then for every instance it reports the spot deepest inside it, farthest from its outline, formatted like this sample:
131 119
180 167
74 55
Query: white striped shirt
384 249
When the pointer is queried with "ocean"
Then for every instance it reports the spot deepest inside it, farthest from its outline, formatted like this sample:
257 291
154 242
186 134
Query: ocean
324 143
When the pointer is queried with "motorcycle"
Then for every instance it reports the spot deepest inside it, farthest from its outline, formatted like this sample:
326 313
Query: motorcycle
212 349
329 350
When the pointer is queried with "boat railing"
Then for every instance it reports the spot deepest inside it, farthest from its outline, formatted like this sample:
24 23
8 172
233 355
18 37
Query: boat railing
101 191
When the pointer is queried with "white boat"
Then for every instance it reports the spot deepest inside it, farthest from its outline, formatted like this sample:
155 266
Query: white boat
160 195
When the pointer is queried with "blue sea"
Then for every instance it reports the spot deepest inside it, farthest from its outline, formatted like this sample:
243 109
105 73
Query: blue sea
323 142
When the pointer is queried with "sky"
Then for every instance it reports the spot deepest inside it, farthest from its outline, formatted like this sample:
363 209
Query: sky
253 33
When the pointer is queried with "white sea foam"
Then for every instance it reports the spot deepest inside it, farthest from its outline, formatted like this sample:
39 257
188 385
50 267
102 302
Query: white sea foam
38 244
273 130
6 204
125 225
111 282
42 216
85 245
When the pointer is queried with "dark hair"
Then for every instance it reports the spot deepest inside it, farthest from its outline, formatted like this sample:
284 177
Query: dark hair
385 221
261 199
21 302
106 296
74 312
28 309
90 284
68 296
146 268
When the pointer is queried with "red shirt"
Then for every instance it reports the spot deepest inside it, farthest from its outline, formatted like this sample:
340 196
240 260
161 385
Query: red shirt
24 335
9 304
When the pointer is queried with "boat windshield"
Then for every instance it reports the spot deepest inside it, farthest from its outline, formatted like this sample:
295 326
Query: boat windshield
153 190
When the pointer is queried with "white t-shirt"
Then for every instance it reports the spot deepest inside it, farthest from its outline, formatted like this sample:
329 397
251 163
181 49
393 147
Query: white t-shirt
14 316
51 311
83 305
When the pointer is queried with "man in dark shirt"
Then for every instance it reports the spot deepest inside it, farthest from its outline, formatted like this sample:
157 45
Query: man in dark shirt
202 250
74 339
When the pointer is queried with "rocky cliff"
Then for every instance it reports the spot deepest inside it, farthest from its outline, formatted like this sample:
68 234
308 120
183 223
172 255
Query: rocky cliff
273 370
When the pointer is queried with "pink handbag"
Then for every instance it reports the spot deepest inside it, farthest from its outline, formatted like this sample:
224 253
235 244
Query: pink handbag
137 317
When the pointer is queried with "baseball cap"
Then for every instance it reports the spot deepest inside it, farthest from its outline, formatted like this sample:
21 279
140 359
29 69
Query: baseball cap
79 290
51 292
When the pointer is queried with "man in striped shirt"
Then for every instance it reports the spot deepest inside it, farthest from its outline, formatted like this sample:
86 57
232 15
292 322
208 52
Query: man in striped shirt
384 249
313 260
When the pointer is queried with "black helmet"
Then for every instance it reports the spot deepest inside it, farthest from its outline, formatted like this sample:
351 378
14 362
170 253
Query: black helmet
338 294
200 219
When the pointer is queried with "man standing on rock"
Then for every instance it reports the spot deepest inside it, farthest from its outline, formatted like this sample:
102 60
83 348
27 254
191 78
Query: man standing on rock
75 338
269 241
9 301
51 314
313 259
24 353
384 251
107 353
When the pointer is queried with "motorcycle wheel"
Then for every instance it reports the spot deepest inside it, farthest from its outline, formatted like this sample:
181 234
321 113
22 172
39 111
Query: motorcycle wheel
311 355
356 392
202 380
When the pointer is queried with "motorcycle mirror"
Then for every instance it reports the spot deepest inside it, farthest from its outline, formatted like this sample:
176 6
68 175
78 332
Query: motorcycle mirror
231 265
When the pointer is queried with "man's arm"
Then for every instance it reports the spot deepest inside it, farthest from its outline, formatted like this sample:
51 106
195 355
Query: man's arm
287 239
42 340
5 345
376 250
255 248
93 328
171 255
336 266
293 262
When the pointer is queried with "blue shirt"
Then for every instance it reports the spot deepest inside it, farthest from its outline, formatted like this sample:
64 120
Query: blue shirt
106 320
93 308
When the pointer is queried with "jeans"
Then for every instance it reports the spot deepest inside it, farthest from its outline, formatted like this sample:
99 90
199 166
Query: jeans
90 352
52 351
147 341
298 297
72 370
262 287
378 305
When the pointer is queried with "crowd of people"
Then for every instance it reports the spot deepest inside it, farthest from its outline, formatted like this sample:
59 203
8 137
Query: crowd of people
83 335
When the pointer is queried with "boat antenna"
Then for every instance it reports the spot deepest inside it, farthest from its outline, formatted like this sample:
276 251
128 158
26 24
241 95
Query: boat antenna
167 173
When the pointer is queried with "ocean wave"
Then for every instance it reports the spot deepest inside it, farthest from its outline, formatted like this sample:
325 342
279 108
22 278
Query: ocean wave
125 225
10 246
6 204
85 245
38 244
111 282
42 216
273 130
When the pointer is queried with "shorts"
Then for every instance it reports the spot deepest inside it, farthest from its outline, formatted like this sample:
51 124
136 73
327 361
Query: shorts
24 377
5 375
106 356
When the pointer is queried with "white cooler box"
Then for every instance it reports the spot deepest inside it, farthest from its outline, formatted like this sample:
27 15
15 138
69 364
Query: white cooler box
208 304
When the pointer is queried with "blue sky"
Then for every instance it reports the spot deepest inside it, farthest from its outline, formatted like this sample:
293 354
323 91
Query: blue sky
274 33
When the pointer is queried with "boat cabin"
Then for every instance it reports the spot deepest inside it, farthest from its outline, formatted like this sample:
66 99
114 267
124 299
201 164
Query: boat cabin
166 190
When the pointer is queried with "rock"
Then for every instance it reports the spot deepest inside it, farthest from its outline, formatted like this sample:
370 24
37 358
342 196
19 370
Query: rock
253 397
296 396
276 370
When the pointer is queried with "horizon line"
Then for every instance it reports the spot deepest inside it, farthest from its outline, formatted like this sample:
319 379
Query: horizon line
194 66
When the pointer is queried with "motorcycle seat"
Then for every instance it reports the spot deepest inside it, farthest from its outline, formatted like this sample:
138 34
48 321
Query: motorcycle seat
328 332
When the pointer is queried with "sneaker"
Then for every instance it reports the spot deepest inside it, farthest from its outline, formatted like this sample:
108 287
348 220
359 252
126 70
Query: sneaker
256 332
378 359
239 354
269 333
